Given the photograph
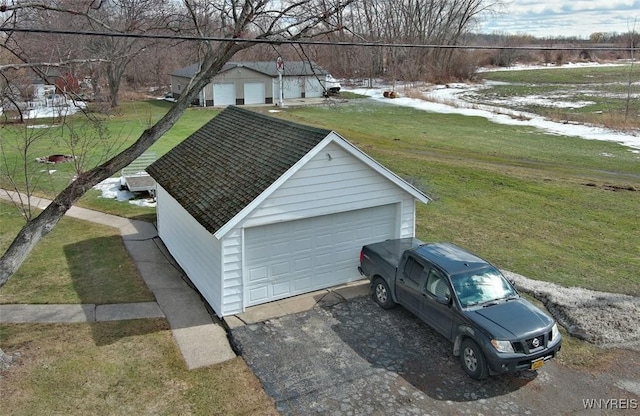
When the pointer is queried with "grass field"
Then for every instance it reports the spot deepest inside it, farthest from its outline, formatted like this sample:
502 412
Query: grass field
602 95
553 208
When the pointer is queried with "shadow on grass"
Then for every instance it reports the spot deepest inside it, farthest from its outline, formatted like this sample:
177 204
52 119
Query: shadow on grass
108 333
102 272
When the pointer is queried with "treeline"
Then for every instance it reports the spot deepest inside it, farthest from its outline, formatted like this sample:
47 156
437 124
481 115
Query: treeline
102 65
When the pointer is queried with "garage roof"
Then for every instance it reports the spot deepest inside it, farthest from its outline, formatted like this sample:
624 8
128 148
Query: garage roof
229 161
293 68
224 168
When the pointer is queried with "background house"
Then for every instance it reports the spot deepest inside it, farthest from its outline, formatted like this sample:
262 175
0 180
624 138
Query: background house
243 83
255 208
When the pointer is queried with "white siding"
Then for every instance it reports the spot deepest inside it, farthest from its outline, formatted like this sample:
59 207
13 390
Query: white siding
194 248
233 292
333 181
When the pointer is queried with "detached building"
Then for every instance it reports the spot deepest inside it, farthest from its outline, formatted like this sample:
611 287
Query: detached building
256 208
243 83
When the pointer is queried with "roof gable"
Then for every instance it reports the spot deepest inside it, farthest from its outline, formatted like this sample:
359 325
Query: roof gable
220 169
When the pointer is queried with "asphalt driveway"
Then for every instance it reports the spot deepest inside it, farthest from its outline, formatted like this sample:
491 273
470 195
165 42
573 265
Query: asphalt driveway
354 358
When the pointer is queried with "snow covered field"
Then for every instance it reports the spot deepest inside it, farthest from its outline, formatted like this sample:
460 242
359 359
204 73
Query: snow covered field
449 100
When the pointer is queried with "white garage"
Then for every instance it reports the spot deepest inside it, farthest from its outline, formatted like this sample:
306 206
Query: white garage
224 94
255 208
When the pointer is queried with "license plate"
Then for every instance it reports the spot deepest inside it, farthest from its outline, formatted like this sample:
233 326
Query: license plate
537 364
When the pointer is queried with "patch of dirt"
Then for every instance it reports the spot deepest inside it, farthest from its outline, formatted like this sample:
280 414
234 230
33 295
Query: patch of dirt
614 187
606 319
52 159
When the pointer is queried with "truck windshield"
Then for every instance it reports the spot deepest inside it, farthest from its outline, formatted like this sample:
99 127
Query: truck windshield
482 287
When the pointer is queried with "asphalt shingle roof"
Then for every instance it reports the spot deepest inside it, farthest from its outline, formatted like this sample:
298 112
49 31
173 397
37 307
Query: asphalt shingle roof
230 161
291 68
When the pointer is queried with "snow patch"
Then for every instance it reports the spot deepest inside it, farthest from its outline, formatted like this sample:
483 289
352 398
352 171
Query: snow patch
110 189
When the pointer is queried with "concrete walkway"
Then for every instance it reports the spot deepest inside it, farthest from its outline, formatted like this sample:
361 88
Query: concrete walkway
201 338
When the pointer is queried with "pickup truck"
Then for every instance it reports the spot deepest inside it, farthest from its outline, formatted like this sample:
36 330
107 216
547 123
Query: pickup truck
464 298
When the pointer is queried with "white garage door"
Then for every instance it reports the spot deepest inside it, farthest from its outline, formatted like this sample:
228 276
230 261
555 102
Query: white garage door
254 93
224 94
292 87
295 257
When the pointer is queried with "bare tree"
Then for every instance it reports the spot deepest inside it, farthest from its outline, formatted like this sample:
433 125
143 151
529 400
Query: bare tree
246 20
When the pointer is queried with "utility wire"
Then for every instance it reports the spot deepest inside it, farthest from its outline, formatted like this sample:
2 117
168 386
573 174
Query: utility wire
312 42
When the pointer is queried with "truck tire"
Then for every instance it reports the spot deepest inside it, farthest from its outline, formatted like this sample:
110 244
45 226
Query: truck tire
473 360
382 294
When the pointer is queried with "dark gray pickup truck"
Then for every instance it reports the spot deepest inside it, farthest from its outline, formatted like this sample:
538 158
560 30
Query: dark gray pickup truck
464 298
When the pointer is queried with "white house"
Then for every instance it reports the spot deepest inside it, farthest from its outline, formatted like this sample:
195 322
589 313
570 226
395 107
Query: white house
256 209
243 83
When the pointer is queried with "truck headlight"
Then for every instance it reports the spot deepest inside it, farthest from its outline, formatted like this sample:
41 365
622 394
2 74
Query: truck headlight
502 346
555 333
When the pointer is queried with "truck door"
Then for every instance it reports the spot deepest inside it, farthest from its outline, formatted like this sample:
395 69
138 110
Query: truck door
434 313
409 283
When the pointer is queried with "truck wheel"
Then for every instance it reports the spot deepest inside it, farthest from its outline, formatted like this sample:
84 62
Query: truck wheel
473 361
382 294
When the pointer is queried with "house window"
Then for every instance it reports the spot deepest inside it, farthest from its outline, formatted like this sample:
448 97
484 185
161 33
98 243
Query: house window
179 87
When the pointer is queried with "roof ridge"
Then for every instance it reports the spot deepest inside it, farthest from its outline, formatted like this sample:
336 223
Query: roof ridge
274 120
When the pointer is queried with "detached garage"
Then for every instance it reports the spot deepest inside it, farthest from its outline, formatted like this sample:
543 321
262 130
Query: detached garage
256 209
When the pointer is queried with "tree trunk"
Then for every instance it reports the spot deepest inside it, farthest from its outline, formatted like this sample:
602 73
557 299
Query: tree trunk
40 226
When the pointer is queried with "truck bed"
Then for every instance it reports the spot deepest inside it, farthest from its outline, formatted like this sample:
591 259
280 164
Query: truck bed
383 258
391 250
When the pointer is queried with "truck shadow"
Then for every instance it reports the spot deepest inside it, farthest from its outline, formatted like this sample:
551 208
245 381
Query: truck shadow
397 341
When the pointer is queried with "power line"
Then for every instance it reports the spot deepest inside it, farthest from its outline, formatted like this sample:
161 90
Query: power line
314 42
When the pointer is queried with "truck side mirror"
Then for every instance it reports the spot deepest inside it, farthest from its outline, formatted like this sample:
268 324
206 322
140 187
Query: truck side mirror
443 300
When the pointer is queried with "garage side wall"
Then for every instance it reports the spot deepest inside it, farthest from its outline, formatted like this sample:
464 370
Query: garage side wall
196 250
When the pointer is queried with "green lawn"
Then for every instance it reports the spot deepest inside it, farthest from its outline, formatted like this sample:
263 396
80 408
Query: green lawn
77 262
553 208
118 368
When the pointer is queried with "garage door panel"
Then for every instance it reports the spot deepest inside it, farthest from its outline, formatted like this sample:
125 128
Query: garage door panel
280 269
257 274
281 288
304 255
258 294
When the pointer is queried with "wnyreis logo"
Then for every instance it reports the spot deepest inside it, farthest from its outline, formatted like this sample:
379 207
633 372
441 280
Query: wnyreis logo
610 404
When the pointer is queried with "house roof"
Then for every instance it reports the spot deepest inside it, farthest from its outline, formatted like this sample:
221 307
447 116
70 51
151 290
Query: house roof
291 68
227 167
230 161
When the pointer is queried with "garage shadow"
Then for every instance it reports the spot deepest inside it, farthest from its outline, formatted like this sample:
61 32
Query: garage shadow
398 342
103 273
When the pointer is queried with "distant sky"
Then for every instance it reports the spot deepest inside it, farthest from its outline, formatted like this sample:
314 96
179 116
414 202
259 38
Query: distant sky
579 18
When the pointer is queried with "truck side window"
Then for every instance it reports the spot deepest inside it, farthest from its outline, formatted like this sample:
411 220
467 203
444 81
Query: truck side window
413 270
437 284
